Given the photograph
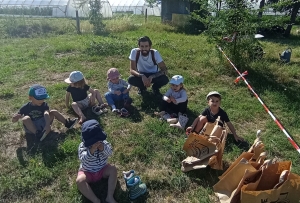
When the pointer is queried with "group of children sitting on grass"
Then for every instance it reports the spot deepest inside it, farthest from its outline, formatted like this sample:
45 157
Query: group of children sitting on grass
94 150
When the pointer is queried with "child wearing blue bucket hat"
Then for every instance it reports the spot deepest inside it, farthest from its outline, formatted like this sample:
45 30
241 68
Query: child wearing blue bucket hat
93 154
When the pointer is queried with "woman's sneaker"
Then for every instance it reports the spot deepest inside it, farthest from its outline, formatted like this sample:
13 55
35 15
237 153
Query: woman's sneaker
70 123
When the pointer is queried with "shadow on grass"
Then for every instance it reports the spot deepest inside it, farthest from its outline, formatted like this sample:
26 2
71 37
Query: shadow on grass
278 61
263 80
48 148
134 116
150 102
100 190
230 141
205 177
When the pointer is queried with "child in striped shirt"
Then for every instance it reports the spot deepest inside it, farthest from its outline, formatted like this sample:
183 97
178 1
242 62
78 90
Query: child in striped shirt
93 153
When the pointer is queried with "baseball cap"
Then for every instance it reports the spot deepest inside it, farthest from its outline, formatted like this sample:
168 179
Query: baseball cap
39 92
176 80
112 73
75 76
91 133
212 93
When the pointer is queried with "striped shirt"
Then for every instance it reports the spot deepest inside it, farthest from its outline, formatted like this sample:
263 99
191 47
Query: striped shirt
93 162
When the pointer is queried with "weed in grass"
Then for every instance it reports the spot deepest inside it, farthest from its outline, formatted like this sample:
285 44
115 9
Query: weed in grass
108 47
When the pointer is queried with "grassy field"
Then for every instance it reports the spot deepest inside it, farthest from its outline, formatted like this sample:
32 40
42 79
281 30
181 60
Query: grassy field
141 142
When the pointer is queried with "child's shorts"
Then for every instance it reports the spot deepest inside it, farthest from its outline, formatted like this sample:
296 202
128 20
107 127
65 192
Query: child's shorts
39 125
93 177
84 103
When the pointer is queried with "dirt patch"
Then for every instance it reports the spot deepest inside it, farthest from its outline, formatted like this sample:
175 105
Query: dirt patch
52 78
226 79
10 143
49 78
89 64
67 54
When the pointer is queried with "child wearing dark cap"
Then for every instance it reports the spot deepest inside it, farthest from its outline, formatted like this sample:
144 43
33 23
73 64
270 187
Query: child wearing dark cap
93 154
36 115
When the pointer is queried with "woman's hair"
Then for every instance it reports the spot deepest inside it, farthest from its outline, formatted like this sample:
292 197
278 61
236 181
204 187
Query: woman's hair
80 83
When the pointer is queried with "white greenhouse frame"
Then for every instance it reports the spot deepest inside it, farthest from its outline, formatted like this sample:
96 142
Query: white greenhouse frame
67 8
60 8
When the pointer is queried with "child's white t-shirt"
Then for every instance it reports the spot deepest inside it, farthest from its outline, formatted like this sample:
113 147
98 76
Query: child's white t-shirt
179 96
145 63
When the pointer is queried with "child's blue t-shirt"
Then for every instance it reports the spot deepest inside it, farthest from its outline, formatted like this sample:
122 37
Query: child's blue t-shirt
34 112
78 94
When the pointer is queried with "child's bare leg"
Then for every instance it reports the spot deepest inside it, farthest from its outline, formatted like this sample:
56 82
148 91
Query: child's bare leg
29 124
92 99
111 173
85 188
98 96
200 124
78 111
58 116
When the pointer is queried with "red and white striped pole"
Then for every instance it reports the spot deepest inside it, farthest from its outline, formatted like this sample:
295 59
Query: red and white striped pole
265 107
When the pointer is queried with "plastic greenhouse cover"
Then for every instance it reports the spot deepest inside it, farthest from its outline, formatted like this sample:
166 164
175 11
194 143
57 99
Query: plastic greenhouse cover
126 3
34 2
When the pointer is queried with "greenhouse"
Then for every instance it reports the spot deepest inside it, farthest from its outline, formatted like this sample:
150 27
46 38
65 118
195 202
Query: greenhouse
67 8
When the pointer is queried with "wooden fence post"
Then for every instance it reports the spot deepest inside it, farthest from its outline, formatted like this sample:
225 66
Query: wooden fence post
77 23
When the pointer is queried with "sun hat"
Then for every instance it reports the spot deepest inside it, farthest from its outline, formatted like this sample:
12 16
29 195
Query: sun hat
213 93
113 73
75 76
39 92
176 80
91 133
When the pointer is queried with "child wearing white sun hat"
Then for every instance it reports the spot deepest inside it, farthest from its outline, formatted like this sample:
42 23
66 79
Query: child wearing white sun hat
175 101
78 89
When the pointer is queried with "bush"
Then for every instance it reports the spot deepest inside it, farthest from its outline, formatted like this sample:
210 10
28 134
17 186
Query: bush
27 28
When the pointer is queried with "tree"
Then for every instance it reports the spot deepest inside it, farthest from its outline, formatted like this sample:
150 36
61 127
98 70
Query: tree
261 7
95 16
291 7
236 16
151 2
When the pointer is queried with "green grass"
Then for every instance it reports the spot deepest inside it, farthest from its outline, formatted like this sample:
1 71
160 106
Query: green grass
141 142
